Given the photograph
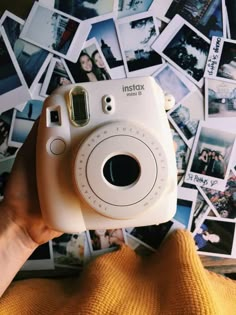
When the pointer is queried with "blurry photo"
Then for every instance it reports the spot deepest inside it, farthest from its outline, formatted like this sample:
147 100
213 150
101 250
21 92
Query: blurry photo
5 170
70 250
207 16
85 9
6 150
173 82
220 99
181 153
41 259
127 7
102 240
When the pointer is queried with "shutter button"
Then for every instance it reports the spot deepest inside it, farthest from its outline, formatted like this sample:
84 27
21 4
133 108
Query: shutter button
57 146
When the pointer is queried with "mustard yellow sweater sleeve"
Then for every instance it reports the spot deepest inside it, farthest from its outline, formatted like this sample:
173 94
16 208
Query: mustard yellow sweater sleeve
172 281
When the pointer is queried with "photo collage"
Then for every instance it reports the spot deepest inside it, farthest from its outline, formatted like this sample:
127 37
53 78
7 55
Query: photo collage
189 48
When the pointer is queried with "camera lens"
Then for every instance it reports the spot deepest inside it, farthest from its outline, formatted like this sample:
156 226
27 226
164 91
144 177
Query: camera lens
121 170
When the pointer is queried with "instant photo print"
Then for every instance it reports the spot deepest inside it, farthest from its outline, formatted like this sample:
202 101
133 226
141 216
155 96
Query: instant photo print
136 35
13 88
59 33
91 65
183 46
207 16
211 157
31 59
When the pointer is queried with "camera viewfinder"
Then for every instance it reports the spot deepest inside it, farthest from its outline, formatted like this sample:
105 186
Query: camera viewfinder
78 106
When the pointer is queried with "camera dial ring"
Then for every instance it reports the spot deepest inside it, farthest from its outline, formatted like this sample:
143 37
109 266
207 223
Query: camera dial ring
112 140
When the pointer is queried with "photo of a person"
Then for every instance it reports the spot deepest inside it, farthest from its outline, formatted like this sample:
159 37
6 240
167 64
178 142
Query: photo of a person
224 202
91 65
203 236
100 64
213 152
215 236
103 239
203 160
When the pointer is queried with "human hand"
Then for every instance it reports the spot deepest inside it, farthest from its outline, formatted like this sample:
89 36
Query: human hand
21 203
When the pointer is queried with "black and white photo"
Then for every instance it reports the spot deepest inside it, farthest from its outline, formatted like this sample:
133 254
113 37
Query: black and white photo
32 59
186 115
211 157
220 98
185 48
173 82
57 75
136 35
13 88
91 65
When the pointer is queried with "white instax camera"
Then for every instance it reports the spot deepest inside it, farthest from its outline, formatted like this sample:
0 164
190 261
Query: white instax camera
105 156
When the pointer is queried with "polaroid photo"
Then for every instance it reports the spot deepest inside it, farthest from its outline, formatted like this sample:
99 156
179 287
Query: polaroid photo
186 115
71 250
128 8
23 121
36 92
5 170
91 65
6 151
138 247
211 156
32 60
173 82
231 14
200 212
221 61
186 201
216 237
220 99
13 88
82 9
223 202
57 75
136 35
103 241
182 152
183 46
59 33
41 259
151 236
104 31
207 16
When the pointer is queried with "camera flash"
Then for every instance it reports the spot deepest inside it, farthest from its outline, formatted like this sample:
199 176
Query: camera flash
108 104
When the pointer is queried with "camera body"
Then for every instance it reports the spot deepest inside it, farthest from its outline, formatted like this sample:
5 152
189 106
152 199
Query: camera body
105 156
